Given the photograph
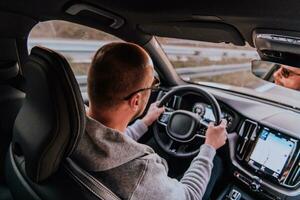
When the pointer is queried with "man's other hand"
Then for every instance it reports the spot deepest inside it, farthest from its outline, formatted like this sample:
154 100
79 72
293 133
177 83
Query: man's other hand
216 135
153 113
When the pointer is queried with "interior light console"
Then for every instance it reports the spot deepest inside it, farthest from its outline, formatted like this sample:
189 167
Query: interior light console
269 154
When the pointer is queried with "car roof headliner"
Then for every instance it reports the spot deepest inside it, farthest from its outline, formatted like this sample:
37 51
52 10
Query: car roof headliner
244 16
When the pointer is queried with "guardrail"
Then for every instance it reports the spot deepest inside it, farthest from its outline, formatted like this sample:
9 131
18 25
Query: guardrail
81 51
212 70
192 72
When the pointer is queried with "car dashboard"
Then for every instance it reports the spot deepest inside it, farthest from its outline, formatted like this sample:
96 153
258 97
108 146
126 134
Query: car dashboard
194 103
263 142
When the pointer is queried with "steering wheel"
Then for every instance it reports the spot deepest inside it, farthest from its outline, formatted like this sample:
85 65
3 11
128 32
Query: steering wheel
181 132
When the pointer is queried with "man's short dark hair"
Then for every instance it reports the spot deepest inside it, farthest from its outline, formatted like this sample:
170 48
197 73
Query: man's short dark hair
117 69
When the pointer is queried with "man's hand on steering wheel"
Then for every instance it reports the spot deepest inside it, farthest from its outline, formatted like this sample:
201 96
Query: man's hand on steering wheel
153 113
216 135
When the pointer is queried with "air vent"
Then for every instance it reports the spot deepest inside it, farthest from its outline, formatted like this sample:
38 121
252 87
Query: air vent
248 133
293 178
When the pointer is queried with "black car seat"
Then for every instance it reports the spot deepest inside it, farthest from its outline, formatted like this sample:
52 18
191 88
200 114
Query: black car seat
11 99
46 131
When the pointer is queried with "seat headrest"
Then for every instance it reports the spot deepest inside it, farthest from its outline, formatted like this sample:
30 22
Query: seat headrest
52 118
8 70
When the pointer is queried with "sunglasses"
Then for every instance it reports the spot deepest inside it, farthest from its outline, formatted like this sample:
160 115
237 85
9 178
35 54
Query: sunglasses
287 73
154 87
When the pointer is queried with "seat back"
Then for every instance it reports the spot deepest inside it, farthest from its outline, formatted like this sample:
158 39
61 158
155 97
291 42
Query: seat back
46 131
11 100
52 119
47 128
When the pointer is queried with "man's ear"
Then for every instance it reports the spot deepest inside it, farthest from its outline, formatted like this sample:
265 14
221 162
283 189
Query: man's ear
135 101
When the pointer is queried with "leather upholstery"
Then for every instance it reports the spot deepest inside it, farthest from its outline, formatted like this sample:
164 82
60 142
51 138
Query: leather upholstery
11 100
10 103
52 118
9 71
46 131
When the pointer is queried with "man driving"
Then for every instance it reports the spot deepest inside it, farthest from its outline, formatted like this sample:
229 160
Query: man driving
120 80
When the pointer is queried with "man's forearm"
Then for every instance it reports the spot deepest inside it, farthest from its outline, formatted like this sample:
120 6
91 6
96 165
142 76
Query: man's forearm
197 176
191 187
136 130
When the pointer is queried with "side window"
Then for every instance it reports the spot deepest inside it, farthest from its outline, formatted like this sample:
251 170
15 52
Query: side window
76 42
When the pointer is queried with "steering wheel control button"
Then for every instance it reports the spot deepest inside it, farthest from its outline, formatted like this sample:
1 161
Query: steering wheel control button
164 118
202 131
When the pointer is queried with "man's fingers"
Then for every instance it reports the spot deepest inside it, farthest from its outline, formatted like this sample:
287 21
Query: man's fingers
161 109
224 121
211 124
156 104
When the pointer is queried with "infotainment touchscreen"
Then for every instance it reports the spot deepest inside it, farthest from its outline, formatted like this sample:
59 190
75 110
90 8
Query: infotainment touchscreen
271 152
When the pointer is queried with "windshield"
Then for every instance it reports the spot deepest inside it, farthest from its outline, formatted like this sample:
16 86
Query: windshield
224 66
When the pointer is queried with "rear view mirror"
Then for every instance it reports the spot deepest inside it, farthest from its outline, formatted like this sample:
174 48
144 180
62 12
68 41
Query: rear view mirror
279 74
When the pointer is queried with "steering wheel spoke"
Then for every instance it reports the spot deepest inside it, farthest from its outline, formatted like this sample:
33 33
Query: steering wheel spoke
203 123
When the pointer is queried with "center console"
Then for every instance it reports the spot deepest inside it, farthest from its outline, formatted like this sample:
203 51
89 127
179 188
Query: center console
267 161
233 192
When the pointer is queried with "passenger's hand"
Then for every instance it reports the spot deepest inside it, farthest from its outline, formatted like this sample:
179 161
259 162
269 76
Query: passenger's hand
216 135
153 113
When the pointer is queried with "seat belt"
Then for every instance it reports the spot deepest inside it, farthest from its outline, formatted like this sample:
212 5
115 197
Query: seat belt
89 182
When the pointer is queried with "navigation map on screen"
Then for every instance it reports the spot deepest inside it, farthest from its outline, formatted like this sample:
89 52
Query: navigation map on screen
272 151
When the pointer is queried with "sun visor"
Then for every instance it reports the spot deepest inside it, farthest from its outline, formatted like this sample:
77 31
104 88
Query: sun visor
204 31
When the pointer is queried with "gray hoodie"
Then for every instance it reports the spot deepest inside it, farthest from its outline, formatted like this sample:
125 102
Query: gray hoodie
133 170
